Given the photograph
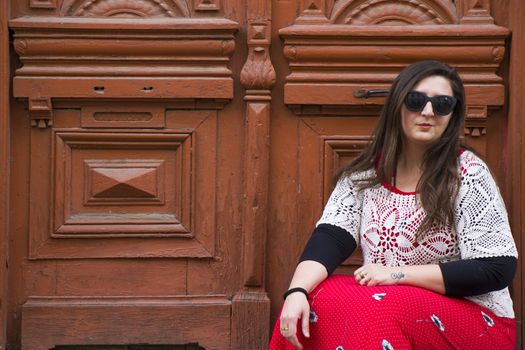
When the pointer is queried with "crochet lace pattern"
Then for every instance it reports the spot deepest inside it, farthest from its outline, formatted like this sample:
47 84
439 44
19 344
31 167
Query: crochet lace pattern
384 222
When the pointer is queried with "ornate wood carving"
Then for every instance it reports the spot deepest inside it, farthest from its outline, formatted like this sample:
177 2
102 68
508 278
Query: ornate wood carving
123 58
43 4
127 8
41 112
387 12
123 194
104 191
329 62
313 12
475 12
257 77
258 72
475 121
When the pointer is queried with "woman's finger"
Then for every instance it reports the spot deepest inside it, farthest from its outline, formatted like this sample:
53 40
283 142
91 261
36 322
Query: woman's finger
305 322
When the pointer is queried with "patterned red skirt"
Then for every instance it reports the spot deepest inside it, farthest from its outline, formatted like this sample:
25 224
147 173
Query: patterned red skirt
345 315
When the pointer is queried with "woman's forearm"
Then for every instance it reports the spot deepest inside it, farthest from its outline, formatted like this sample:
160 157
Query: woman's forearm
308 275
424 276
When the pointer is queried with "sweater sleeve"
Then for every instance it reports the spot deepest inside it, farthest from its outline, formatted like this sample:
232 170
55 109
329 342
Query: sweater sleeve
344 208
478 276
482 224
329 245
487 249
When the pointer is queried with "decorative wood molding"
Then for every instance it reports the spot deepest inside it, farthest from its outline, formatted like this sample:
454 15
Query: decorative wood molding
329 62
476 121
110 194
43 4
98 58
313 12
204 319
257 77
41 112
475 12
127 8
388 12
207 5
258 72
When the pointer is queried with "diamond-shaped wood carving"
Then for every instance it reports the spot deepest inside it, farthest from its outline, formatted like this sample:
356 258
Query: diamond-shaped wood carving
112 179
124 181
128 183
114 194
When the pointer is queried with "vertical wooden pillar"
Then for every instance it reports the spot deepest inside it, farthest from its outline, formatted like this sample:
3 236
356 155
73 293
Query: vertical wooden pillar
4 168
251 306
516 151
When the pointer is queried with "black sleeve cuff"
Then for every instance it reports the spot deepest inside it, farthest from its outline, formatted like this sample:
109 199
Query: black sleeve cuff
329 245
477 276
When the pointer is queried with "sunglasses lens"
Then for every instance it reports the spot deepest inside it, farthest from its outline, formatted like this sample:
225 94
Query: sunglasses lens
443 105
415 101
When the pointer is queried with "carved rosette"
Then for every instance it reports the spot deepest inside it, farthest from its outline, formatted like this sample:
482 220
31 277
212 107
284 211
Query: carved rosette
127 8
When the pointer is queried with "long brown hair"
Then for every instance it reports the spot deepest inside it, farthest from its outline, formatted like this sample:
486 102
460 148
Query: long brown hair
439 182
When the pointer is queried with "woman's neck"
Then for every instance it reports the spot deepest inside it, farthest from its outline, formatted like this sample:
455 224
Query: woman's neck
409 168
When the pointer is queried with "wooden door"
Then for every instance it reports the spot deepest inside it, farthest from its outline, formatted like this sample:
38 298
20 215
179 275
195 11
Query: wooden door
335 51
166 160
128 192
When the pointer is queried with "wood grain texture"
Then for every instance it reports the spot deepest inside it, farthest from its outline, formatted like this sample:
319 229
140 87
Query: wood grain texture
250 312
120 321
4 168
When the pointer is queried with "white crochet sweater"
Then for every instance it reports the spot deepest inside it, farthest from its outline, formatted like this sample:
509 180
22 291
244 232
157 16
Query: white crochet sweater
384 221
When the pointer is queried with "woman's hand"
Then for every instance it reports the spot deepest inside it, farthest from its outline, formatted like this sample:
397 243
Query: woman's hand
295 308
376 274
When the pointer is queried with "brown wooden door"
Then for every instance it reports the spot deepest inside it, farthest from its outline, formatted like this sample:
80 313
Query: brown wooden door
169 158
333 52
127 200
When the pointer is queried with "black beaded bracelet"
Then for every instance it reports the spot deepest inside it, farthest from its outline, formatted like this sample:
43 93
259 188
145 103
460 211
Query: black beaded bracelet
293 290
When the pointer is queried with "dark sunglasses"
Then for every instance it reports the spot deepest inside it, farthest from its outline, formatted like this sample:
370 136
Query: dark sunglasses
416 101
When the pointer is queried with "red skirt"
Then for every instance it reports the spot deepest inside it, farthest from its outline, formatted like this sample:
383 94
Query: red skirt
345 315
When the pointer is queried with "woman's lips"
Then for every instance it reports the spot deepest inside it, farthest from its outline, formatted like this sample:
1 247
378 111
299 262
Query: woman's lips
425 125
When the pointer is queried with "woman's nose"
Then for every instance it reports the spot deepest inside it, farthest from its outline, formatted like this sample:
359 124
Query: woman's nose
428 111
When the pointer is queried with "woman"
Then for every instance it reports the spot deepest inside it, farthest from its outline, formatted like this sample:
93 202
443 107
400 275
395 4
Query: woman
433 229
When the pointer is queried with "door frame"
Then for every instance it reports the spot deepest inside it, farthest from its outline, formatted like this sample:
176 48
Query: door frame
516 149
4 170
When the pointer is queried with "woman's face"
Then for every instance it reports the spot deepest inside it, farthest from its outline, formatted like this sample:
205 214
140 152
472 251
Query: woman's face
425 127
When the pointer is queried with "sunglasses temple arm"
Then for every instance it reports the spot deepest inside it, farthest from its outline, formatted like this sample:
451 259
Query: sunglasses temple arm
363 93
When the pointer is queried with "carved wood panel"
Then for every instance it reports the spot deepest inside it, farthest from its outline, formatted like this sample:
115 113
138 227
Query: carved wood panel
111 189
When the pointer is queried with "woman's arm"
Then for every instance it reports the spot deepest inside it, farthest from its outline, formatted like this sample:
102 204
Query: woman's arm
456 278
308 275
423 276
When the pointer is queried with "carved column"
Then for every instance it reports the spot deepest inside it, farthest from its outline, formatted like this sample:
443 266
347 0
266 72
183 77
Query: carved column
257 77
